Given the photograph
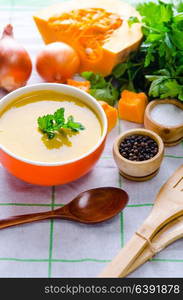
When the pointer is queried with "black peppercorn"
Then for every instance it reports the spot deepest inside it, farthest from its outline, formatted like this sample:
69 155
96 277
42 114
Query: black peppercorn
138 148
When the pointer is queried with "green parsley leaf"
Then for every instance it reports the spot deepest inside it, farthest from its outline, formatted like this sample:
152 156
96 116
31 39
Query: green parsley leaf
156 84
101 88
177 37
133 20
170 88
179 6
108 94
59 117
46 122
50 124
180 96
74 126
96 80
155 15
119 70
149 57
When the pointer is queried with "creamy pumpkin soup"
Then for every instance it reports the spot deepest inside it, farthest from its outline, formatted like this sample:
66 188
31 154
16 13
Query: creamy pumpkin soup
23 123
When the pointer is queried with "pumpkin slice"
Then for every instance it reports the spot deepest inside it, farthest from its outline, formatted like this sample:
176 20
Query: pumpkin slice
132 106
83 85
97 30
111 114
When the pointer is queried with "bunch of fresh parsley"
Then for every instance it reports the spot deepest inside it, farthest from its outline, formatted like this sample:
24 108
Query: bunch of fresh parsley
157 66
50 124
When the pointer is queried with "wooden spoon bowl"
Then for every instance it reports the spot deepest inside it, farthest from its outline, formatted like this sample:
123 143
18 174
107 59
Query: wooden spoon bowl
97 205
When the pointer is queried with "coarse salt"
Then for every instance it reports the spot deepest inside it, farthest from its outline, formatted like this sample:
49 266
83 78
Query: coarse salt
167 114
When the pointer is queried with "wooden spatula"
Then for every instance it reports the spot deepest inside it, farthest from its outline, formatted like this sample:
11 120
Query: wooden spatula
167 235
168 205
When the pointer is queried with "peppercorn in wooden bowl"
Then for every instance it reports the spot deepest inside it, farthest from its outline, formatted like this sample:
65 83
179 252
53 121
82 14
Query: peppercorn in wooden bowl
138 154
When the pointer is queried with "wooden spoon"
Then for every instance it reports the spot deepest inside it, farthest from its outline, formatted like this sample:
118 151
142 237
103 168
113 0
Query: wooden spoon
92 206
168 206
167 235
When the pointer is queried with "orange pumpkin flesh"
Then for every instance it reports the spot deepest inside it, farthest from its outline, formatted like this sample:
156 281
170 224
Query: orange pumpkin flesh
83 85
132 106
97 30
111 114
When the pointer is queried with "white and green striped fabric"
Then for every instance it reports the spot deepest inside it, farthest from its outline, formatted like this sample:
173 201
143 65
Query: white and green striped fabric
59 248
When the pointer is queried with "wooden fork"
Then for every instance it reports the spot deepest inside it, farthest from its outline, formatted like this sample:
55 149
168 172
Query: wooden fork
168 206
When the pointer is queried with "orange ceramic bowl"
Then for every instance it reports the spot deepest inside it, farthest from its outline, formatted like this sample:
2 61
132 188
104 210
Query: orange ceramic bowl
42 173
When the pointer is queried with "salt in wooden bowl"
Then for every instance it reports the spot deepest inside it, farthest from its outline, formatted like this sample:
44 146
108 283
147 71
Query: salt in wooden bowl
171 135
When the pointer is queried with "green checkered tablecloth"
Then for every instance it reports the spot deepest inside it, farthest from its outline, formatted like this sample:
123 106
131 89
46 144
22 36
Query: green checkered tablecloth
58 248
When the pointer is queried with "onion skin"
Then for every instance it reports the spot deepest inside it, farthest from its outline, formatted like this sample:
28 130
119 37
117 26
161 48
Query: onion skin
15 63
57 62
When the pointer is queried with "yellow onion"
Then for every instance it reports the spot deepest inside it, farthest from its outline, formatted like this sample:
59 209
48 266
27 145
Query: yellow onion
15 63
57 62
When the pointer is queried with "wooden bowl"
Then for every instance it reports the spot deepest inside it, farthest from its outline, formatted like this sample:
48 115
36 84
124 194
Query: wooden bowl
171 135
138 170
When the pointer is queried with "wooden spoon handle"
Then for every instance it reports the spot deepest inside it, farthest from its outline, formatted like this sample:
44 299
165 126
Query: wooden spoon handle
28 218
127 255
